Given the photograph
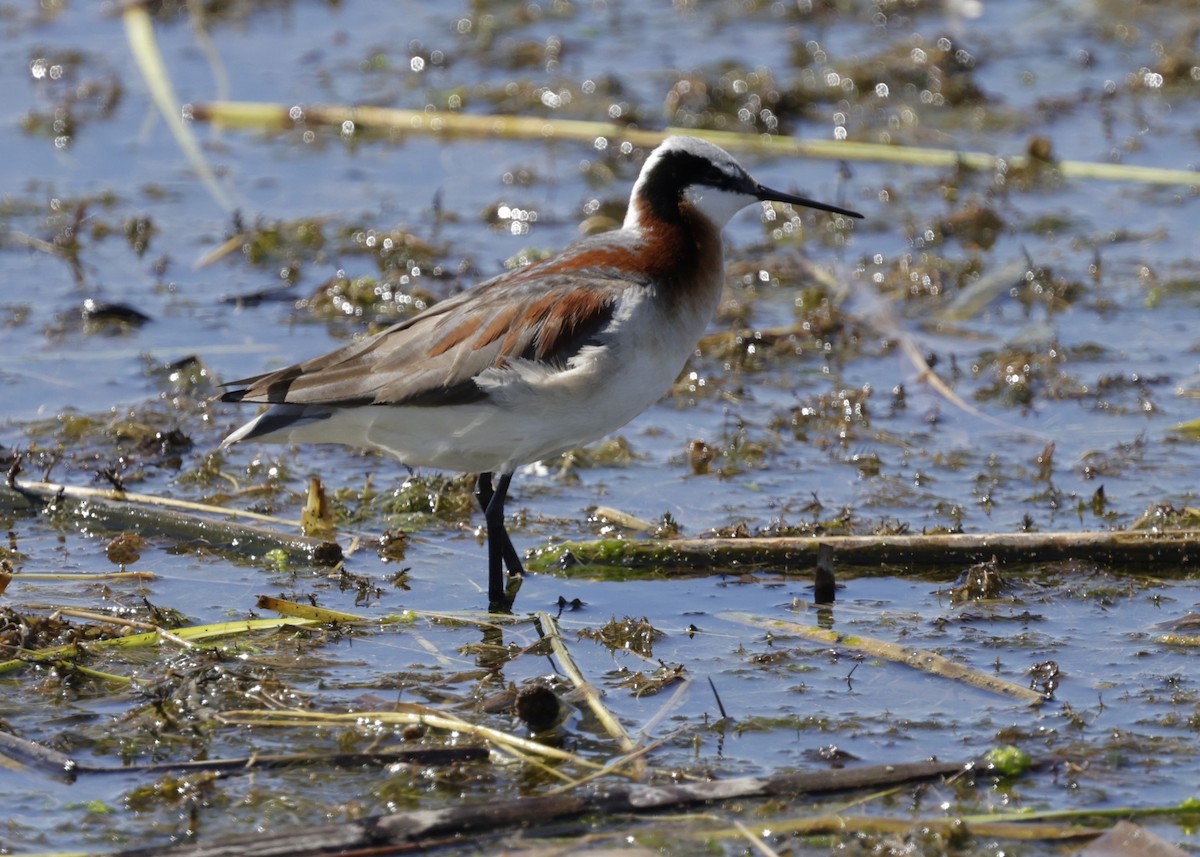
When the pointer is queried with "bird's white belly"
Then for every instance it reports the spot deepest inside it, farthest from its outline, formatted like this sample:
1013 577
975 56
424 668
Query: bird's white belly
526 419
532 412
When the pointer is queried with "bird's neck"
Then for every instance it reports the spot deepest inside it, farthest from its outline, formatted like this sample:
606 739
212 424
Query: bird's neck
682 252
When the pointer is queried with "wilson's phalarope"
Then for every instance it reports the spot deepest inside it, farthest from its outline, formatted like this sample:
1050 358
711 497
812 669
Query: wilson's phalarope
536 361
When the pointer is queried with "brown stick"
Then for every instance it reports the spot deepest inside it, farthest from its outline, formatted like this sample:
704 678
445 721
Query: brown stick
408 828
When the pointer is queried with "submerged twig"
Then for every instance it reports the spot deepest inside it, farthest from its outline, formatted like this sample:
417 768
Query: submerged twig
31 754
755 842
61 766
76 576
49 491
173 518
921 659
877 312
417 826
669 706
882 825
404 713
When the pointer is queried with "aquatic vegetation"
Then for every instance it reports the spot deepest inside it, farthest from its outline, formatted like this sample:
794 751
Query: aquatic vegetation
981 399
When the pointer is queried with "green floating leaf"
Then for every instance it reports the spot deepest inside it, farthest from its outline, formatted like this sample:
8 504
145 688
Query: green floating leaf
1008 761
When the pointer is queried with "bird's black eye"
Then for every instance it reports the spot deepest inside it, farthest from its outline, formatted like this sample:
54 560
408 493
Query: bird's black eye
716 177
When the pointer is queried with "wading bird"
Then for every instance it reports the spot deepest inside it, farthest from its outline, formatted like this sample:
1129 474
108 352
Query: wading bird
536 361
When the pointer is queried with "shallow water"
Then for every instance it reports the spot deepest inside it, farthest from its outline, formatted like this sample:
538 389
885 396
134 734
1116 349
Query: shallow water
1094 351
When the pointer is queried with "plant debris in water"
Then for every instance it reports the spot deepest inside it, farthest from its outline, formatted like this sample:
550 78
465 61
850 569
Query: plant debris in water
635 635
806 411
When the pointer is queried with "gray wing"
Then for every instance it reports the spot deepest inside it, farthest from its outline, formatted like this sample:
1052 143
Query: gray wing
544 312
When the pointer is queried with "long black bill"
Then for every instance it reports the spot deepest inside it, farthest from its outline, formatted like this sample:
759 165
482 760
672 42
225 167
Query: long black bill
766 193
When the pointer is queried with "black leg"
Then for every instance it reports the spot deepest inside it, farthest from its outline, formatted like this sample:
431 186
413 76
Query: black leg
484 493
501 552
